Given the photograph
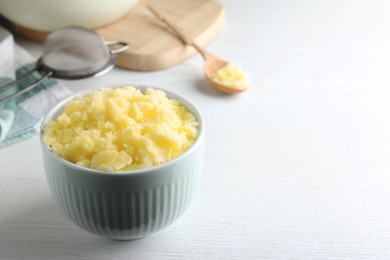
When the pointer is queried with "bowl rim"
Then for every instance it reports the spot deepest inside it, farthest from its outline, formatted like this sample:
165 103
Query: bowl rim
54 111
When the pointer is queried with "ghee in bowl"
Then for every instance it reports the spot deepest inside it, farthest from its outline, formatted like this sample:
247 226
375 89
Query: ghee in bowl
119 129
147 166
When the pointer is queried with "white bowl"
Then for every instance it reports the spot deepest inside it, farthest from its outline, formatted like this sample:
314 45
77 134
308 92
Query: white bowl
49 15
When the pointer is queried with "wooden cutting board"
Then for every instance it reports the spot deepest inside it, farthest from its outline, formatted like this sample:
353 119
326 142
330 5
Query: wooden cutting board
152 45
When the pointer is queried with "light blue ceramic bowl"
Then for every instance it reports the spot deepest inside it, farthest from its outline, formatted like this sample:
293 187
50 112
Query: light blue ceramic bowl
125 205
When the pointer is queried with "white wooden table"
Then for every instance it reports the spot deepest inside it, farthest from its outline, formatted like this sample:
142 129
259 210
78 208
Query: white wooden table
297 167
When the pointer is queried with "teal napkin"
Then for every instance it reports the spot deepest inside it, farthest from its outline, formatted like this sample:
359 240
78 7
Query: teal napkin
20 118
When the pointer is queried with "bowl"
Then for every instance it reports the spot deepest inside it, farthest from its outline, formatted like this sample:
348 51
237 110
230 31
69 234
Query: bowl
130 204
49 15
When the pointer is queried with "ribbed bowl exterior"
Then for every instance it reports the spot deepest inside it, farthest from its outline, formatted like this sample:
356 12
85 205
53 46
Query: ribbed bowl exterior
125 205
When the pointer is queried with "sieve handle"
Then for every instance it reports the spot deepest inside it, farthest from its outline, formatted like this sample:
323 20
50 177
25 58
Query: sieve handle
123 46
44 75
9 85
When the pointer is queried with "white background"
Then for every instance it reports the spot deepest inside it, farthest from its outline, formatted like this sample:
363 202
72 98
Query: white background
297 167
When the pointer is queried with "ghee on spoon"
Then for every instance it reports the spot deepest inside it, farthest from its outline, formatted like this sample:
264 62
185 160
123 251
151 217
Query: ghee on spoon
222 75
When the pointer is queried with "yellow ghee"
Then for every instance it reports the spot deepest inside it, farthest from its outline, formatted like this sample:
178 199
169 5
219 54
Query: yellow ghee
119 129
231 76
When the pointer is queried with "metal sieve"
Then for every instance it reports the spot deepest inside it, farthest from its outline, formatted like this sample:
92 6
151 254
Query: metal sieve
70 53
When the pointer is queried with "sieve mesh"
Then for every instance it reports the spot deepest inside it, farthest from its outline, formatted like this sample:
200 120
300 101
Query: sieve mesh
75 51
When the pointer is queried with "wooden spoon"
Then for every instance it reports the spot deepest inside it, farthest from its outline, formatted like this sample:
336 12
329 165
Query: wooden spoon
212 62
